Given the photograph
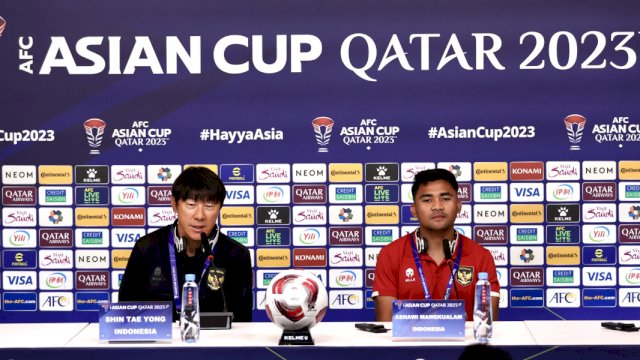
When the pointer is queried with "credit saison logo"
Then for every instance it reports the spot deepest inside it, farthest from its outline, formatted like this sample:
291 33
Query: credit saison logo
531 234
18 174
490 171
92 237
345 172
55 174
526 171
563 276
629 191
55 195
18 195
244 236
490 192
345 193
600 191
380 235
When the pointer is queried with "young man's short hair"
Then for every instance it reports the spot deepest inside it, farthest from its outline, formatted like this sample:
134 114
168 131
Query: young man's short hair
427 176
200 184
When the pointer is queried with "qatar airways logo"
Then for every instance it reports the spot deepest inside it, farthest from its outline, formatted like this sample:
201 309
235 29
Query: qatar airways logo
309 215
599 213
273 173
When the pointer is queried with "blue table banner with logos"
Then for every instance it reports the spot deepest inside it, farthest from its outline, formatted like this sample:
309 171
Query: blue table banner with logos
136 321
428 319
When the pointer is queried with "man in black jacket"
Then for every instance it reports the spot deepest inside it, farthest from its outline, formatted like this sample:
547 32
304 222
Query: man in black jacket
160 260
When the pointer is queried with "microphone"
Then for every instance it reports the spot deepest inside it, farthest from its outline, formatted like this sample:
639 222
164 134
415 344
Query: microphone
207 247
449 258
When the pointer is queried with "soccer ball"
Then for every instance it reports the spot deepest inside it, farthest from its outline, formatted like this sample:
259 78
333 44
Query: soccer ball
296 299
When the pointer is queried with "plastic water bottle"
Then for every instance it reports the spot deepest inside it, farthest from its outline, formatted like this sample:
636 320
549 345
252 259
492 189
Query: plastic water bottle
190 312
482 323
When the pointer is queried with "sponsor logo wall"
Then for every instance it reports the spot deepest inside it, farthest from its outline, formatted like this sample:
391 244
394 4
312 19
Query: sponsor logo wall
318 135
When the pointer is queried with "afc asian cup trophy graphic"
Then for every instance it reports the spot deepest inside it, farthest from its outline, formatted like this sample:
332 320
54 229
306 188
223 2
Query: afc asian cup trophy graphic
575 126
322 127
94 128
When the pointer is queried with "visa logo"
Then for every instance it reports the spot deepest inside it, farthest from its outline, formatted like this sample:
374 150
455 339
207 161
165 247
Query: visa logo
527 192
599 276
127 238
238 195
20 280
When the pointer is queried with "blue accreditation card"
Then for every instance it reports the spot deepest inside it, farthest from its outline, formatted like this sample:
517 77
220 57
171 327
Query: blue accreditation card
136 321
428 319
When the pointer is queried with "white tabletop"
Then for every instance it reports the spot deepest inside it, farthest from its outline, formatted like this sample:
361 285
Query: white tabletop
38 335
576 332
330 334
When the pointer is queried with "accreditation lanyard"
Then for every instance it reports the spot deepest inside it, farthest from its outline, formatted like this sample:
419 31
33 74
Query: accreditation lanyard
174 270
423 279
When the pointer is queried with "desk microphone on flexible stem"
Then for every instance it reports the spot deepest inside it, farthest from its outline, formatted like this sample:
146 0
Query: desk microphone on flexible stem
207 248
449 259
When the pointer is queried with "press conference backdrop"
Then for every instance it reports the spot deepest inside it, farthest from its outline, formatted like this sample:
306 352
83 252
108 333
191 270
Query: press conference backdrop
317 115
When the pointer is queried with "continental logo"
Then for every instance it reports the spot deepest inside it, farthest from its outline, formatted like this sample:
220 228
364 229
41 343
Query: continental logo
55 174
490 171
527 213
211 167
92 216
237 215
119 258
382 214
274 258
128 216
629 170
341 173
527 170
563 255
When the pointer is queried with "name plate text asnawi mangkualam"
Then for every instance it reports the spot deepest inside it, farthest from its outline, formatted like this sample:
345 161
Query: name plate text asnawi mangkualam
428 319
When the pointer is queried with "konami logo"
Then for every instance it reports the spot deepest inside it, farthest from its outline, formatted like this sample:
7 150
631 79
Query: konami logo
128 216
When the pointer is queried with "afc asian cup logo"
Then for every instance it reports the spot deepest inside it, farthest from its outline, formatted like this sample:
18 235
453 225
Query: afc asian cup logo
3 24
575 126
94 128
322 127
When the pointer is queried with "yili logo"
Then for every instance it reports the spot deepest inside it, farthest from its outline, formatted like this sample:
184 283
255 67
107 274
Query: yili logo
309 236
128 195
599 234
18 238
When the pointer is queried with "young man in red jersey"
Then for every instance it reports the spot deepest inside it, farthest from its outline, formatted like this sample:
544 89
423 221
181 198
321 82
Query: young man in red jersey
415 266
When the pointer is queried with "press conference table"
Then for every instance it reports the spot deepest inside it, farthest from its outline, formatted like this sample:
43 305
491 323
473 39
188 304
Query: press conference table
523 339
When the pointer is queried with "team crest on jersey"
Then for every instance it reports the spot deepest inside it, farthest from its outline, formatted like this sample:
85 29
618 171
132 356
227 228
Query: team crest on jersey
215 278
464 275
